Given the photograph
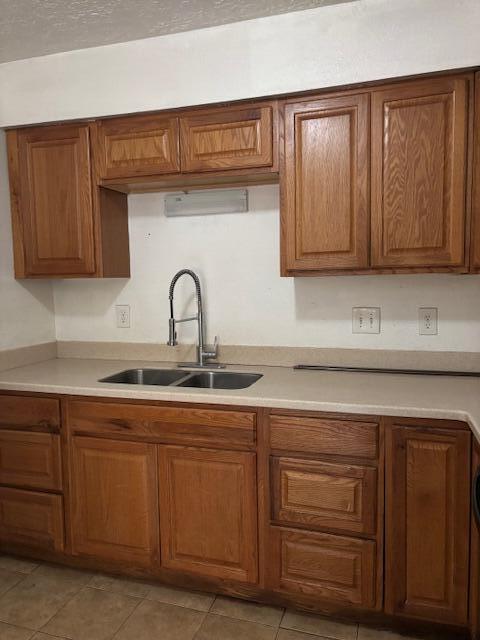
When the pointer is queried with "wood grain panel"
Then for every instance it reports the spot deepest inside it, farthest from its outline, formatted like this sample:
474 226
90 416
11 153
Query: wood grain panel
230 138
208 512
321 495
137 145
325 210
30 460
114 501
29 412
162 423
324 436
428 515
419 169
330 568
475 245
32 519
55 216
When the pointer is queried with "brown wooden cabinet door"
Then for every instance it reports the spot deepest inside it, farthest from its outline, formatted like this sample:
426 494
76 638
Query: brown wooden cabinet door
427 523
323 495
228 138
52 201
325 208
114 501
419 169
208 512
30 460
142 145
31 519
475 260
328 568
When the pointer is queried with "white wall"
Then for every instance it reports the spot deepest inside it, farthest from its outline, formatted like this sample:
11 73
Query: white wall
334 45
237 257
26 308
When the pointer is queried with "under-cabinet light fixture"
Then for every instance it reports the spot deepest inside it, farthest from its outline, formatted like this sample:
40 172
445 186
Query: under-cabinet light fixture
210 201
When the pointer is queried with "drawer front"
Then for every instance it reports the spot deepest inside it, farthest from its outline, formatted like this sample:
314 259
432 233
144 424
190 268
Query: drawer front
30 459
31 519
137 146
326 567
321 495
27 412
324 436
164 424
227 139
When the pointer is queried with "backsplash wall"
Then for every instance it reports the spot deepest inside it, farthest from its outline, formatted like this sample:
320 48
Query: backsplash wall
237 258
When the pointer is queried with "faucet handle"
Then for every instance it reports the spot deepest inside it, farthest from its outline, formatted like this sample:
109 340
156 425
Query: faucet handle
212 352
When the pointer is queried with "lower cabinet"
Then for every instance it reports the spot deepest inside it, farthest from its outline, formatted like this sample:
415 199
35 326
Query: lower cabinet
114 501
427 524
208 512
31 519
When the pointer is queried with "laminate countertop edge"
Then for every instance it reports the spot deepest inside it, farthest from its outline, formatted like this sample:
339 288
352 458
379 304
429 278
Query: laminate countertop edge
396 395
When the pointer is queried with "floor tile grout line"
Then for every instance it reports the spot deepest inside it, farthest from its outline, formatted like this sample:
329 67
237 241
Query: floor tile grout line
82 587
13 586
115 633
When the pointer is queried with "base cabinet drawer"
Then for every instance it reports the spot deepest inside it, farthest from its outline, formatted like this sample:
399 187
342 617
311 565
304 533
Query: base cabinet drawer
324 436
30 460
321 495
31 519
325 567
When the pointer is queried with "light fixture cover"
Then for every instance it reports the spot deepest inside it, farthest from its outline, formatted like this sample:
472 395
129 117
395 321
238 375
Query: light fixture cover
209 201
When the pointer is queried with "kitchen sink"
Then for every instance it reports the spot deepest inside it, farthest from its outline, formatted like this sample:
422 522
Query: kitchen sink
178 378
161 377
220 380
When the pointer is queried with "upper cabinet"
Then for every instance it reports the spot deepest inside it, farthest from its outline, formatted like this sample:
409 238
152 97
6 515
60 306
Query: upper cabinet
63 225
376 179
137 146
325 184
238 138
419 173
52 199
413 214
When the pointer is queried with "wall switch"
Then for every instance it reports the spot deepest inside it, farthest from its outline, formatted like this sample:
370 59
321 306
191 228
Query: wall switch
122 312
428 321
366 320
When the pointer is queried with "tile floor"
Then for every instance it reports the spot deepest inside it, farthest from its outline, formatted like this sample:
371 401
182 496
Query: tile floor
40 602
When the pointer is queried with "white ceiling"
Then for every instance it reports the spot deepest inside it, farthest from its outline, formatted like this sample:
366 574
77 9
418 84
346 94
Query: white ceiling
30 28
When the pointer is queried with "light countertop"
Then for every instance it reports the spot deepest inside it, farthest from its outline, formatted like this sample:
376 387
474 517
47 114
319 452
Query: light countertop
454 398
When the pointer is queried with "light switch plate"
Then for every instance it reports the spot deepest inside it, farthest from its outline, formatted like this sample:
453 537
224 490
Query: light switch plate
366 320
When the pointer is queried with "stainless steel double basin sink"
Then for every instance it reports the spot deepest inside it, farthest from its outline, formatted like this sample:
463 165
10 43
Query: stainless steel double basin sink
179 378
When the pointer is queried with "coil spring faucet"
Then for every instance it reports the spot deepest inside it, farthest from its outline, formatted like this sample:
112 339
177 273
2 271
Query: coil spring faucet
203 353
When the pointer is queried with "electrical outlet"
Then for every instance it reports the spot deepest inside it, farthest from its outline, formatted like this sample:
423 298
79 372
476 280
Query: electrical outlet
122 312
428 321
366 320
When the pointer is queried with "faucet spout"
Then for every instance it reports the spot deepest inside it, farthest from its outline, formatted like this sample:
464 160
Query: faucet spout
203 354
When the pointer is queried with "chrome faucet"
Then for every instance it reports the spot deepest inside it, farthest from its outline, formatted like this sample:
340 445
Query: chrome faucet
203 353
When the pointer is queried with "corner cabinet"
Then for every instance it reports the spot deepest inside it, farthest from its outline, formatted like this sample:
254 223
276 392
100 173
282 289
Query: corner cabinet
427 522
378 182
63 225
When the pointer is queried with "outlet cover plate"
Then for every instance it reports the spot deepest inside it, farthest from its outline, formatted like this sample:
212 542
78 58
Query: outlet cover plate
428 321
122 313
